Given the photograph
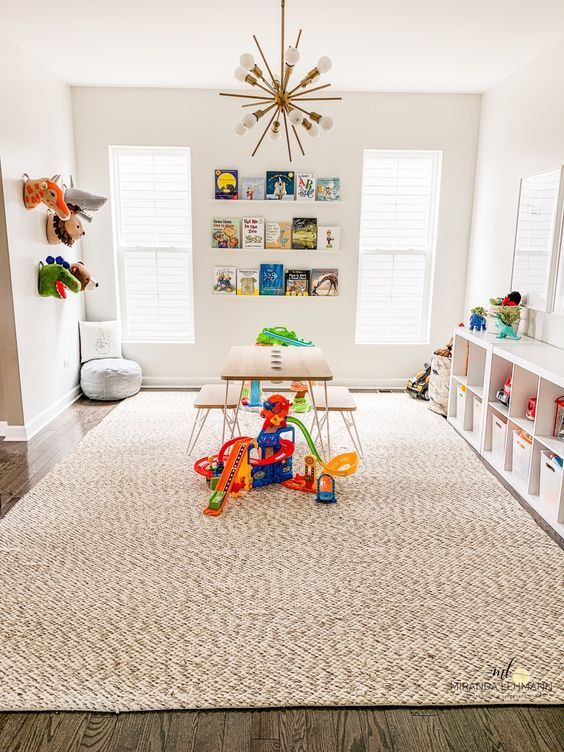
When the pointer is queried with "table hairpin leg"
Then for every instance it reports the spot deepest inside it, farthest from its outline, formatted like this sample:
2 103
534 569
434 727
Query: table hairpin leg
327 420
236 419
225 412
316 418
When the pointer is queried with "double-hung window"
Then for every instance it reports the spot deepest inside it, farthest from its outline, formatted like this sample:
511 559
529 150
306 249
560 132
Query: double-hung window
398 228
153 237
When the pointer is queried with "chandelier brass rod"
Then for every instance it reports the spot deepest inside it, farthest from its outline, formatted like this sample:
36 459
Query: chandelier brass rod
295 107
282 9
287 135
298 140
307 91
268 91
254 104
298 39
244 96
313 99
264 60
265 132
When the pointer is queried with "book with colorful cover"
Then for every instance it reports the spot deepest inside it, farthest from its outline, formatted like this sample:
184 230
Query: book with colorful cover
224 280
305 186
278 235
324 282
252 189
328 189
297 282
226 232
304 233
247 281
253 232
226 184
271 278
280 185
328 238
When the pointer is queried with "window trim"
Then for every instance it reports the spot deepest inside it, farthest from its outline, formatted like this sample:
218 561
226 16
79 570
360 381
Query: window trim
115 151
430 254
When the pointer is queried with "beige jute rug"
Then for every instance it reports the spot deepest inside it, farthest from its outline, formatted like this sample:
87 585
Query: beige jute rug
426 583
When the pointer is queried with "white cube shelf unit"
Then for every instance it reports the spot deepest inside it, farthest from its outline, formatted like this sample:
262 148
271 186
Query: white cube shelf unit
481 364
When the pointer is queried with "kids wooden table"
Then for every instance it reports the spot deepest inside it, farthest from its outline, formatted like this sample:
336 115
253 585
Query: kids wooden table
252 363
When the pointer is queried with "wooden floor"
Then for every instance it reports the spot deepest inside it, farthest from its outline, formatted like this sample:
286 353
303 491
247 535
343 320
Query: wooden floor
468 729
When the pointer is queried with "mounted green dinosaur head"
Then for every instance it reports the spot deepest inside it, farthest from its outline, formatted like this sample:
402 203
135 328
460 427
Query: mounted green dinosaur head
55 280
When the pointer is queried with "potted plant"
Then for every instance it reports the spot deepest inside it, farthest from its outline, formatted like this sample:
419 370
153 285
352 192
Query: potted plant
507 310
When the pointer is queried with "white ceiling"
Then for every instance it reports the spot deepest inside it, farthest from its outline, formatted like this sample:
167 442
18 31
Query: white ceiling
396 45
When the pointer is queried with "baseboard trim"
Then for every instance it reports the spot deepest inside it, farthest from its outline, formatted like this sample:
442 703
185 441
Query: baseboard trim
191 382
30 429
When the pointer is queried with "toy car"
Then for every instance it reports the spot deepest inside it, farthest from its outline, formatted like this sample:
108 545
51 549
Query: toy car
504 395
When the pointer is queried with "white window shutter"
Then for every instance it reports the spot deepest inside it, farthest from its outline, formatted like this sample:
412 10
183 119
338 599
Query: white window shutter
397 240
153 228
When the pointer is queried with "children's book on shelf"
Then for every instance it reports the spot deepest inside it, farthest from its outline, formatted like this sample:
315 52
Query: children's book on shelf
304 233
253 232
226 184
224 280
247 281
297 281
252 189
328 238
328 189
271 279
324 282
305 186
226 232
280 185
278 235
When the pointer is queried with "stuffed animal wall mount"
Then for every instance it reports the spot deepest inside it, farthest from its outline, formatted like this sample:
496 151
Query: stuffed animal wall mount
66 231
82 273
45 191
84 202
55 278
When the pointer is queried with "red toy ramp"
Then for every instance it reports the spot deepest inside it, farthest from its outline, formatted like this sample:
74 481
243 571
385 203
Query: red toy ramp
228 476
286 450
201 465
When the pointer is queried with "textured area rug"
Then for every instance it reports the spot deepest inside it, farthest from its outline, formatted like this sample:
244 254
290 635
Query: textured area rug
426 583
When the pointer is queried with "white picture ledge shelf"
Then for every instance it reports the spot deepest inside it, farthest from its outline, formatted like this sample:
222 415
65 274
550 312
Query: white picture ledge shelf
481 363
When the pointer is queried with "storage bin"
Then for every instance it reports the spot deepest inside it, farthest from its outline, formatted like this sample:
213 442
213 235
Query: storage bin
550 482
476 417
499 434
460 403
521 458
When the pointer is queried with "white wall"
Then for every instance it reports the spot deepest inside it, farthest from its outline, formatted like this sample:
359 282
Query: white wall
521 133
204 121
36 137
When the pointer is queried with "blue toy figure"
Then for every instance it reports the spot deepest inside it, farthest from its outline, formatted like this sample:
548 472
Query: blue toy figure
326 489
477 322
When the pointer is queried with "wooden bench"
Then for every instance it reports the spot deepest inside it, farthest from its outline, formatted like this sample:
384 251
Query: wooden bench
212 397
340 400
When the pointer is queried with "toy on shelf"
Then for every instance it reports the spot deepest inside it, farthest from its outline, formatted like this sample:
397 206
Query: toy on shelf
244 463
505 313
55 278
280 335
531 410
326 489
478 319
558 431
301 405
504 394
45 191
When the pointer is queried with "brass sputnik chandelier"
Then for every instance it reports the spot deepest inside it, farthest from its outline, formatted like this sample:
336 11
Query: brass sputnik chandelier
289 105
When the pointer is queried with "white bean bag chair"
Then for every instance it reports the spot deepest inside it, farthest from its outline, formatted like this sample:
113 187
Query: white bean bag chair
110 378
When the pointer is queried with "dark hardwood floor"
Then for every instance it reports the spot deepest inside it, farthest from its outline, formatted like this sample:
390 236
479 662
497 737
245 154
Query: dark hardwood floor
455 729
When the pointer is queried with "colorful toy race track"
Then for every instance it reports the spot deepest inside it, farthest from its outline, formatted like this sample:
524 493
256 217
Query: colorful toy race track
280 335
237 467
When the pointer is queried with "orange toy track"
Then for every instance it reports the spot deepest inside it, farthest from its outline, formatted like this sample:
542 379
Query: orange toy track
237 455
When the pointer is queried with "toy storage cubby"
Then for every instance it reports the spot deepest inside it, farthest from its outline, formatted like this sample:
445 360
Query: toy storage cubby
520 449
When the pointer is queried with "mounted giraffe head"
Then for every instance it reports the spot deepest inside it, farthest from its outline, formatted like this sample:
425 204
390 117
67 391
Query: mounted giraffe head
45 191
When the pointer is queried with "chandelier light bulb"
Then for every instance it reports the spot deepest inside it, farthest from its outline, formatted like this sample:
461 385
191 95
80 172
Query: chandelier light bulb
240 74
240 129
274 135
296 117
324 64
291 56
250 120
326 123
314 131
246 61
